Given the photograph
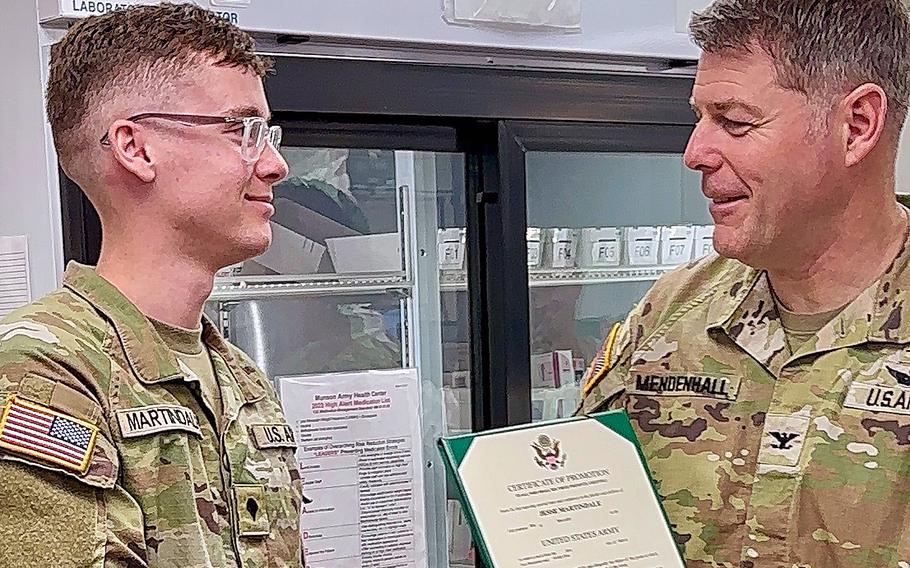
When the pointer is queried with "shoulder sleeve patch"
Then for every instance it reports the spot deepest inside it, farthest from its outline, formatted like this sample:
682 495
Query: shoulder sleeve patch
53 437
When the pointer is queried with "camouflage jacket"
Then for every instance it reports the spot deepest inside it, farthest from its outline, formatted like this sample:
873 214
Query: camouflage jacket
766 458
142 477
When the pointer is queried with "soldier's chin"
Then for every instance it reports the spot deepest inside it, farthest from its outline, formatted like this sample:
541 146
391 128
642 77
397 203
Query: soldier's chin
729 243
249 247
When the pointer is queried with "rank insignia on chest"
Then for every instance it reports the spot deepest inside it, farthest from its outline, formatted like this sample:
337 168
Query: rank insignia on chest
40 432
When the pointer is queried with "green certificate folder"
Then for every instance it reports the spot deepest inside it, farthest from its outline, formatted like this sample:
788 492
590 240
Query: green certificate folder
572 493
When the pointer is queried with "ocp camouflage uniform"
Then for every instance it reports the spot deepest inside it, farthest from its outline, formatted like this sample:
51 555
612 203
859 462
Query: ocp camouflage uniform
766 458
164 487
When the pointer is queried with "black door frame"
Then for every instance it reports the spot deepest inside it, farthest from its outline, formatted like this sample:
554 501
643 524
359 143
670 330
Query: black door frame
494 116
516 139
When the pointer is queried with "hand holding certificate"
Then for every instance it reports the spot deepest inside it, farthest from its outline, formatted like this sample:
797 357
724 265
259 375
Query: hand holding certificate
573 493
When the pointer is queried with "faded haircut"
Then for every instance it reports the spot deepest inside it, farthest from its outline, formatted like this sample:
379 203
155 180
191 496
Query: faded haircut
137 50
821 48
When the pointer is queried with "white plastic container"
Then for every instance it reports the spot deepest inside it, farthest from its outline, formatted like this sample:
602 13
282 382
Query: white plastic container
366 253
642 244
451 247
704 240
563 246
600 247
535 247
676 244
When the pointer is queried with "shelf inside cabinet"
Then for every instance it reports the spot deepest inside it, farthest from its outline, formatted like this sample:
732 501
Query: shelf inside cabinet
257 287
454 281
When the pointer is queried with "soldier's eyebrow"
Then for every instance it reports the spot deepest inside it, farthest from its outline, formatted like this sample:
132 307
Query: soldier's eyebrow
247 110
726 105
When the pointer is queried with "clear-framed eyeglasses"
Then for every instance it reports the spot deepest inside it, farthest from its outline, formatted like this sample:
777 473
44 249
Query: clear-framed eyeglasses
256 130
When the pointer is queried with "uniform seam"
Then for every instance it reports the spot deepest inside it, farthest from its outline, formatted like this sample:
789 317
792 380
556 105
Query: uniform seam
113 389
674 317
664 325
102 525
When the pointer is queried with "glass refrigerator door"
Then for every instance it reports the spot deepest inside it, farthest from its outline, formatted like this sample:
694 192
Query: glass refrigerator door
349 294
602 227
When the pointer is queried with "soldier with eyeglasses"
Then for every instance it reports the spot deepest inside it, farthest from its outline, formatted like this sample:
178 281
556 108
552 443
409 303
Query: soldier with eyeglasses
132 434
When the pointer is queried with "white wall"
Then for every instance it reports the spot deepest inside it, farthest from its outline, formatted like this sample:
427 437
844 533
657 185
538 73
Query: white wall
627 27
29 195
903 163
29 198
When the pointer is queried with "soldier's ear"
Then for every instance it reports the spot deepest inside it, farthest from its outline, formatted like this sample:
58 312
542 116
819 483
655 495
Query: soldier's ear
128 142
864 112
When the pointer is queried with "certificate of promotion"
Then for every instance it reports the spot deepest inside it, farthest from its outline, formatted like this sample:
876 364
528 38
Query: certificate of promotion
572 493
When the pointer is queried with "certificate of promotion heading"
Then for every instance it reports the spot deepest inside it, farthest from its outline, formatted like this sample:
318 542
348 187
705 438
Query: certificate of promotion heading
573 493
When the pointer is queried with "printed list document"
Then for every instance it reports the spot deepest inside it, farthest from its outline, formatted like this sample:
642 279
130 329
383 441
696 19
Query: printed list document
360 455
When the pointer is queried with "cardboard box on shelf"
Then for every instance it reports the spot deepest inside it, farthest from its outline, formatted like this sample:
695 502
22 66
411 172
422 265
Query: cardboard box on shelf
580 368
457 402
291 252
456 379
552 369
456 356
459 535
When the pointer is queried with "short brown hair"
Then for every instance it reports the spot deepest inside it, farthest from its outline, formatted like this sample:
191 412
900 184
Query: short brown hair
819 48
131 49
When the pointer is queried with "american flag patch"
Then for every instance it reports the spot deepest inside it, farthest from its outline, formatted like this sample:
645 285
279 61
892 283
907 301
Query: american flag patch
601 363
40 432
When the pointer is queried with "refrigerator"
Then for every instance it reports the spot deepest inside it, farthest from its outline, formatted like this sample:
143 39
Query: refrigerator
482 258
461 226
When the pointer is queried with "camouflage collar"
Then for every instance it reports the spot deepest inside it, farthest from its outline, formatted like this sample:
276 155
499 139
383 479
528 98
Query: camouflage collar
148 356
743 308
243 373
890 301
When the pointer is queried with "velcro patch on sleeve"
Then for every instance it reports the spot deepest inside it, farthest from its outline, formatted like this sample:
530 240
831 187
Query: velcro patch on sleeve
277 435
146 420
39 432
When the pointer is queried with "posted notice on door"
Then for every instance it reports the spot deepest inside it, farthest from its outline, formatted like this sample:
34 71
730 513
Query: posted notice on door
359 450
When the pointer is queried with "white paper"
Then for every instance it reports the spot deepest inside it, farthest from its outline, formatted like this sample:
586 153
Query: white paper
291 252
562 495
366 253
15 287
641 245
360 451
676 244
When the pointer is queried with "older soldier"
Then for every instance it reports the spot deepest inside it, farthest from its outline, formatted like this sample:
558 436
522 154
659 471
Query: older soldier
133 434
770 385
